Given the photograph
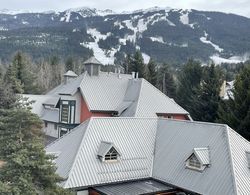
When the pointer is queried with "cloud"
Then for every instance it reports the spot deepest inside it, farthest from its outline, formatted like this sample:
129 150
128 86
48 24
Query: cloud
241 7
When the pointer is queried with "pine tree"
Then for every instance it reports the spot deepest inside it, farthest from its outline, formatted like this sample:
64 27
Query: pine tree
152 72
20 76
188 87
137 64
69 64
236 111
165 81
209 94
27 169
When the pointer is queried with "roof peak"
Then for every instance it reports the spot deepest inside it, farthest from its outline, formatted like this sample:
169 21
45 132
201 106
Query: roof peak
92 60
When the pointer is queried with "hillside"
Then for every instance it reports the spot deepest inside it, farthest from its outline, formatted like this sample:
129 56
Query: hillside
164 34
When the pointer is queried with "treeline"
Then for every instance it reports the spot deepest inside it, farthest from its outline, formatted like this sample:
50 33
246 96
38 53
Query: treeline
197 89
29 77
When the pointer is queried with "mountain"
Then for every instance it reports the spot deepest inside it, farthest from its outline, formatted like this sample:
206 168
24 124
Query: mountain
164 34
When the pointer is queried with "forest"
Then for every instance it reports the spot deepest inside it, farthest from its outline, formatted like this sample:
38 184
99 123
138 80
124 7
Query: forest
193 86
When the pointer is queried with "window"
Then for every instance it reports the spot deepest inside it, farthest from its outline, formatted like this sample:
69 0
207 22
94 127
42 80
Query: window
111 155
63 131
194 162
45 124
107 152
67 111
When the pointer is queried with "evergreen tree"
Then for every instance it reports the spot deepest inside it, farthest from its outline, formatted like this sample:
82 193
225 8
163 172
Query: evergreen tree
165 81
7 96
188 87
127 64
151 72
56 71
137 64
69 64
236 111
209 94
20 76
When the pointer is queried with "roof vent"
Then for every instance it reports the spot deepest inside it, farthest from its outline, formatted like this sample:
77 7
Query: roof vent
199 159
68 76
92 66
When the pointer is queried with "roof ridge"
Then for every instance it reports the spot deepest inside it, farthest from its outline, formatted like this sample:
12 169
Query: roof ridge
138 100
231 160
77 153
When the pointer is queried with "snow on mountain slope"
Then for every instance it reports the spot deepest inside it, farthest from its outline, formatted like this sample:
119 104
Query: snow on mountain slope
104 56
205 40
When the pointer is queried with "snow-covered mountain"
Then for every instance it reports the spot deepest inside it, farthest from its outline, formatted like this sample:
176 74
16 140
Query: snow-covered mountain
164 34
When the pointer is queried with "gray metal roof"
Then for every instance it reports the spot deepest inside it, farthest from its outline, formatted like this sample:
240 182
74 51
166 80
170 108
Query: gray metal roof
157 148
134 188
51 115
152 101
203 155
119 92
67 147
70 74
38 101
248 158
92 60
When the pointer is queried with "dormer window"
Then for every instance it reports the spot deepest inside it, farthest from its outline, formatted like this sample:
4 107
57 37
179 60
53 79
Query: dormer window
108 152
199 159
111 155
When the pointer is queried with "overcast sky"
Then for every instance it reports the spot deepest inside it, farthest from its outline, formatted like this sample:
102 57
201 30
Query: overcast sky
241 7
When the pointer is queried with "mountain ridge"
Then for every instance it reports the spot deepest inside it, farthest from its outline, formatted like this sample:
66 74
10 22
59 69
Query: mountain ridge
164 34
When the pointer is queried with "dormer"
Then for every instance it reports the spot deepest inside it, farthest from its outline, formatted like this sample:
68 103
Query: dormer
199 159
92 66
107 152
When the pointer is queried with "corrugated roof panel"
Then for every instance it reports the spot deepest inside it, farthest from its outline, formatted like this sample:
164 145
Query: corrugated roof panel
203 155
238 146
67 146
175 140
152 101
51 115
135 140
38 101
104 92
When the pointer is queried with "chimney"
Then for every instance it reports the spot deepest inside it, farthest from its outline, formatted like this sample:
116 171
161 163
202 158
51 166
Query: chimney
92 66
68 76
137 75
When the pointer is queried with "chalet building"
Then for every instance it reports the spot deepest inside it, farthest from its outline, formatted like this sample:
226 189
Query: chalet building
101 94
134 155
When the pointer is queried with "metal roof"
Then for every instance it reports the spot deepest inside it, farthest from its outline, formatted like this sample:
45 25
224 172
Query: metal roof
51 115
203 155
135 188
70 74
156 148
248 158
152 101
104 92
92 60
68 147
52 101
38 101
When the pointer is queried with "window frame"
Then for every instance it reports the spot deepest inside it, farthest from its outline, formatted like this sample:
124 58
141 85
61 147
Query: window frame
69 107
192 163
111 156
